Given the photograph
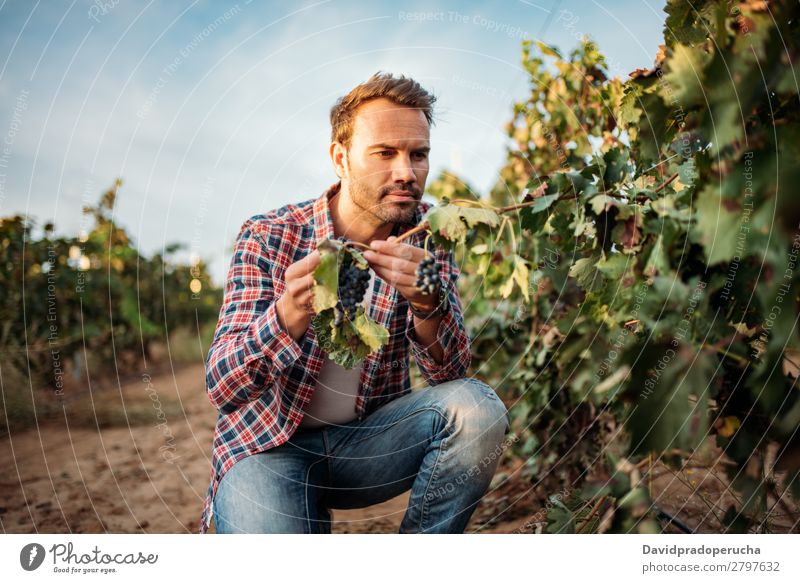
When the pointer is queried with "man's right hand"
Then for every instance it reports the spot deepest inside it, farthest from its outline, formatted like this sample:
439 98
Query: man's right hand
295 307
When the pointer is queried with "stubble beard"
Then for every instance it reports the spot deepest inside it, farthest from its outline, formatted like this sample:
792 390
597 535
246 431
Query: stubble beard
376 206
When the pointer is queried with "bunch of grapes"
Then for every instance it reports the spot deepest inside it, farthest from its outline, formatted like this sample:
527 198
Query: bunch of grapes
428 278
353 283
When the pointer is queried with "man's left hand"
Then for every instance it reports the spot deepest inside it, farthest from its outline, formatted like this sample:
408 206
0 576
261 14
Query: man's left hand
397 264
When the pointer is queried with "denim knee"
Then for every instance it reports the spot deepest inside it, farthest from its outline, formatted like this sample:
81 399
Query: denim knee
473 406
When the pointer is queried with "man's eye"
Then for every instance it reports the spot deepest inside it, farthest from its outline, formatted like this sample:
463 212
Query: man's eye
418 155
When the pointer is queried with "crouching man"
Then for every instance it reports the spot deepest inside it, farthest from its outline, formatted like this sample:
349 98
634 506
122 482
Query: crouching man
298 435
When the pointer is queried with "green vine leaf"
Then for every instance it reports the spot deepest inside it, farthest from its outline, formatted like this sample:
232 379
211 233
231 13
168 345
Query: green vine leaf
585 272
670 386
451 222
532 218
520 276
326 277
718 227
371 333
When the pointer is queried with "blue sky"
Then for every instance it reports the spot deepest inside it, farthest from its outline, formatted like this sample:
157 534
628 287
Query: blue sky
212 112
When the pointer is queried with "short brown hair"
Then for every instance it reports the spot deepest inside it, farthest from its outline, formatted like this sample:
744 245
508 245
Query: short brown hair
401 90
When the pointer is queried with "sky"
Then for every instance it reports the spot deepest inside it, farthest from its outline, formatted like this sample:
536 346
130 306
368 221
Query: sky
212 112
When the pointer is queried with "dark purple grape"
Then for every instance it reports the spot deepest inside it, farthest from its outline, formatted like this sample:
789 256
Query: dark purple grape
353 283
428 278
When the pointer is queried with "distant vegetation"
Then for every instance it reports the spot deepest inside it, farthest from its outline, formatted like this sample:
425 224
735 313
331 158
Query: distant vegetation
92 302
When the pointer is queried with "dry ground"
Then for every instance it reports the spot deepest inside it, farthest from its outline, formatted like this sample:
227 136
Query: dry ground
89 471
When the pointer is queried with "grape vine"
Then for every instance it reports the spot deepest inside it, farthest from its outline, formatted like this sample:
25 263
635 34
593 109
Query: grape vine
647 236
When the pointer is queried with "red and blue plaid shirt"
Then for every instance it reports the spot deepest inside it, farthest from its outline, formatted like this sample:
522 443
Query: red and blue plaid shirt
260 379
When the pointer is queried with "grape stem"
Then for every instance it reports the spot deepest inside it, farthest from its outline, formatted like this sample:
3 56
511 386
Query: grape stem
417 229
500 231
666 183
425 242
356 243
513 207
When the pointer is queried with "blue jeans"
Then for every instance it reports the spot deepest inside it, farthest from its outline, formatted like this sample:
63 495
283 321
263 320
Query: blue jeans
443 442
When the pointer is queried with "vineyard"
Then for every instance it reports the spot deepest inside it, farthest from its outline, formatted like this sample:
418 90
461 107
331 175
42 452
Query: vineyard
661 233
630 283
91 303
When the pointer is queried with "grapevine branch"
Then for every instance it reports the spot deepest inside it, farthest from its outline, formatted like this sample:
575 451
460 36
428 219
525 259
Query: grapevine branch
413 231
513 207
589 516
666 183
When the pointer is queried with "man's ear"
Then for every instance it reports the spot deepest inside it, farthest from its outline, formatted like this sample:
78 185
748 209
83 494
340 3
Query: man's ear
338 155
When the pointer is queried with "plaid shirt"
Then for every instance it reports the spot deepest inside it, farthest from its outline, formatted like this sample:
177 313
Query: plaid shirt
260 379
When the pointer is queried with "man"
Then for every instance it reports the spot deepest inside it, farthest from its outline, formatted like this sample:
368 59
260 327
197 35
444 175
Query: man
298 435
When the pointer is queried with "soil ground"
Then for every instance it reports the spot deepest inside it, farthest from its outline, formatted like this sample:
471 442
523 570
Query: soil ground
90 471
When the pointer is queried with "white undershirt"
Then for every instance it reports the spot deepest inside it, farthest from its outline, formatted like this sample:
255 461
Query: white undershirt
334 399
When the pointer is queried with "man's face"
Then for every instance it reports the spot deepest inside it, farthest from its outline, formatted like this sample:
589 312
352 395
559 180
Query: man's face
387 163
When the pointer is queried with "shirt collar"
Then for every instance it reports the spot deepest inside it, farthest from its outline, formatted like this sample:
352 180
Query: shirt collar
323 222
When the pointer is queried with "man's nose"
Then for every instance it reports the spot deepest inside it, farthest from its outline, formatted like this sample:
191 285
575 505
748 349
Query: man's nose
402 170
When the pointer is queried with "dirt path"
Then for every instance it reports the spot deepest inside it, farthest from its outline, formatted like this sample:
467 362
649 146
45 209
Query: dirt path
89 471
68 476
72 474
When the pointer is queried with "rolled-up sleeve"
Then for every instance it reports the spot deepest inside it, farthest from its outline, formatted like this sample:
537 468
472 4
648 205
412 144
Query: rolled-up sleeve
452 334
250 349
